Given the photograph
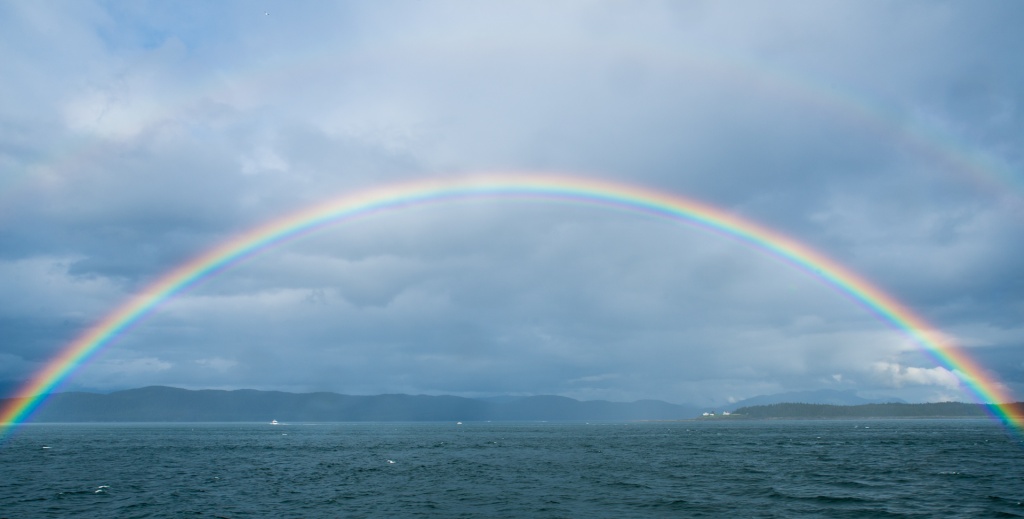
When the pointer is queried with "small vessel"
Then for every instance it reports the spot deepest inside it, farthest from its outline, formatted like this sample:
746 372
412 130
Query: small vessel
273 422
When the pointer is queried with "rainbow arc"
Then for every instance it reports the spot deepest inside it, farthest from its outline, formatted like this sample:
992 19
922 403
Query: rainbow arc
544 187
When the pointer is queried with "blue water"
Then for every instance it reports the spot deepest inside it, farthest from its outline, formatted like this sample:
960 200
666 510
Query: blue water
908 468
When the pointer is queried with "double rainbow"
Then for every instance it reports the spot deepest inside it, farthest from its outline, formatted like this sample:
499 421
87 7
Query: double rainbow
556 188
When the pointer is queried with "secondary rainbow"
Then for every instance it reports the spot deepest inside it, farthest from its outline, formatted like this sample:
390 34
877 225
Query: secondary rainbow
560 188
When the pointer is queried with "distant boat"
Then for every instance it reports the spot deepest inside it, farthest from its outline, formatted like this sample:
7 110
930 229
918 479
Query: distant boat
458 423
273 422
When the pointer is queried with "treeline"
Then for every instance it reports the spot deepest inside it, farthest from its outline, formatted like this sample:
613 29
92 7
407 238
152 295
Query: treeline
932 410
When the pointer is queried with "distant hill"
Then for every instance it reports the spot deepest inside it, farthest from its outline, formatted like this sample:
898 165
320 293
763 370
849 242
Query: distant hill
167 404
821 396
893 410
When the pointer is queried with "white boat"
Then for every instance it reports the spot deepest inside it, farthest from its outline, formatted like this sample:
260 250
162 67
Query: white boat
273 422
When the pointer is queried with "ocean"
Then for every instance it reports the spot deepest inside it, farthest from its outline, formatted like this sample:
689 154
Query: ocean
728 468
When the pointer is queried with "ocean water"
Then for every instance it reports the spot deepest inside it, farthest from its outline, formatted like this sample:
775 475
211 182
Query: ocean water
899 468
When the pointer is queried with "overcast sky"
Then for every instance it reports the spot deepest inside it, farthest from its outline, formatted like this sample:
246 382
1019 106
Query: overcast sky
887 135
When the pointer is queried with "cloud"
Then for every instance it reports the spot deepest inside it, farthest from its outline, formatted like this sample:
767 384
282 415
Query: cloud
217 364
13 365
113 373
895 375
887 136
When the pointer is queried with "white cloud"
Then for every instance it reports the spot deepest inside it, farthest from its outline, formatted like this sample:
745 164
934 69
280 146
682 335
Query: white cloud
895 375
261 160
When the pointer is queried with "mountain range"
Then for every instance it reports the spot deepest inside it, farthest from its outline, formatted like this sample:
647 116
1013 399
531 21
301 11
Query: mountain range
821 396
167 404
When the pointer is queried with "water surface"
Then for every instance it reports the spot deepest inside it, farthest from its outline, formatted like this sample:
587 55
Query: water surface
898 468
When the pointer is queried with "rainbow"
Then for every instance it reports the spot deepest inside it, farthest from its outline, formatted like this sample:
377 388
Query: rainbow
517 186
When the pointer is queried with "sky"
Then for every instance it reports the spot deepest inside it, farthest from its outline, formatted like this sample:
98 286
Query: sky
885 135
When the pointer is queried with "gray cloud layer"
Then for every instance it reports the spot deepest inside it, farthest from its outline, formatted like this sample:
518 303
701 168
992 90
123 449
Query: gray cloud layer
887 135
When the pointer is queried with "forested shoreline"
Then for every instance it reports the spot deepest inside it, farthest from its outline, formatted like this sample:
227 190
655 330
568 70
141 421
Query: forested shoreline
892 410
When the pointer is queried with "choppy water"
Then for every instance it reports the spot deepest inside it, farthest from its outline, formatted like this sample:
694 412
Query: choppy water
911 468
